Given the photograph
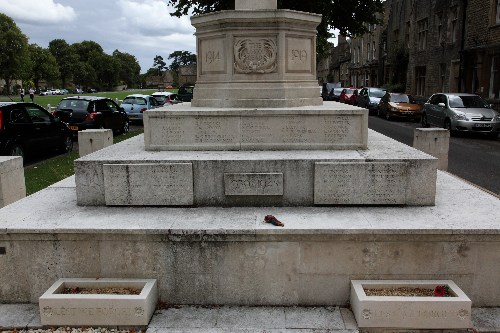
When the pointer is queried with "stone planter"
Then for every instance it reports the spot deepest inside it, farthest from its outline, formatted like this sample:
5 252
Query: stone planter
406 312
57 309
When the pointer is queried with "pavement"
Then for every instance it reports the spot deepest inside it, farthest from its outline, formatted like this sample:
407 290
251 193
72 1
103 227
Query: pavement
243 319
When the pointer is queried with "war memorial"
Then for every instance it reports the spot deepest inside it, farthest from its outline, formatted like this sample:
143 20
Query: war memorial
185 204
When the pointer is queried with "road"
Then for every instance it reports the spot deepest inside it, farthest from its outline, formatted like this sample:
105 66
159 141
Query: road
471 156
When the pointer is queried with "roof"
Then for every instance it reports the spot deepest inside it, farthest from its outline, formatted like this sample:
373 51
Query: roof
163 93
137 95
88 98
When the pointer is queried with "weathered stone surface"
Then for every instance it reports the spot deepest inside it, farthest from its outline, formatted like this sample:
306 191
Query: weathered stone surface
182 127
435 142
253 184
354 183
164 184
92 140
59 309
410 312
12 185
255 4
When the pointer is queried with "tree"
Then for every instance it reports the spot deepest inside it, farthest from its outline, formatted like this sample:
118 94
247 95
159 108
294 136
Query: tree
66 58
180 58
159 64
350 17
128 68
14 53
43 65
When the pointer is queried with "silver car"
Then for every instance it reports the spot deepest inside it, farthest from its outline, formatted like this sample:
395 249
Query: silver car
459 112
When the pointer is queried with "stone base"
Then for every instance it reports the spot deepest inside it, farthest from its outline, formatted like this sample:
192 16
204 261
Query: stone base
325 127
59 309
387 173
230 256
400 312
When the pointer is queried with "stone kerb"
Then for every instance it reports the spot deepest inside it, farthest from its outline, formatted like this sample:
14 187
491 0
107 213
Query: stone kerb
92 140
406 312
60 309
435 142
12 185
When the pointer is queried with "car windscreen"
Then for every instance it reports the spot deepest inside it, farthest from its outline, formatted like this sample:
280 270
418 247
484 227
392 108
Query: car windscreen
402 99
467 102
73 104
377 93
349 91
134 100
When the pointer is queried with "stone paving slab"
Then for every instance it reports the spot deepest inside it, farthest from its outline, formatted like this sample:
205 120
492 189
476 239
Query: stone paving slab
236 319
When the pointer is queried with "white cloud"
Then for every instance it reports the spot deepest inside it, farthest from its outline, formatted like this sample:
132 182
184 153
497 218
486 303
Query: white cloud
152 18
37 11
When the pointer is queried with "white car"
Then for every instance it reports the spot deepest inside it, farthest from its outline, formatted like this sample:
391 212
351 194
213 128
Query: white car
166 97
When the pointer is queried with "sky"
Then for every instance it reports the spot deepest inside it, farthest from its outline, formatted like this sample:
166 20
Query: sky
142 28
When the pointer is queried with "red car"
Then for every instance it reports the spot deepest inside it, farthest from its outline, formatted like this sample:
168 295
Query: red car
349 96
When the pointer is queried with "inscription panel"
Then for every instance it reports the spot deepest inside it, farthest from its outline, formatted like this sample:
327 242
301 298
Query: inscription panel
212 54
299 55
302 130
162 184
356 183
255 55
253 183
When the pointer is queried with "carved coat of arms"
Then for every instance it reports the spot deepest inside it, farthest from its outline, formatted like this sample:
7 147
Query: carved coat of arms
255 55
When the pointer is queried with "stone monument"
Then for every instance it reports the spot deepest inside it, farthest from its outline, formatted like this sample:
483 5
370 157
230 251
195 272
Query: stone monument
257 132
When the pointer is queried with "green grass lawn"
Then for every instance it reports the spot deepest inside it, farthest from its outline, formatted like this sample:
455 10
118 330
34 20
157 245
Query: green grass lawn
55 99
48 172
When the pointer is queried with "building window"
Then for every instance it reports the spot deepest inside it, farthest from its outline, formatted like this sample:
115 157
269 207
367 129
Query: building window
439 25
368 53
442 76
420 80
359 53
497 17
453 24
494 91
407 34
374 54
396 36
422 27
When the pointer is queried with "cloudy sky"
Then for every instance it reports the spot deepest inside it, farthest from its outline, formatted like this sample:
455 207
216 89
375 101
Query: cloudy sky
142 28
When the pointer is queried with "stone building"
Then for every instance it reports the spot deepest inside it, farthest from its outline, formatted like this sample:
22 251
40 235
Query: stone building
340 61
364 66
481 55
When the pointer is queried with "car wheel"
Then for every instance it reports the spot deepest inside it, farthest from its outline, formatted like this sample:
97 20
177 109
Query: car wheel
424 121
16 150
447 125
125 128
387 116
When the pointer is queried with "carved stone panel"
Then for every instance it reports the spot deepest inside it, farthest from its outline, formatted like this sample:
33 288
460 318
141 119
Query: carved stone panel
212 55
253 183
360 183
255 55
299 54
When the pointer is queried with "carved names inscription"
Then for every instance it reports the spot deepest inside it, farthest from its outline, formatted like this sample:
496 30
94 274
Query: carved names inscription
357 183
253 183
213 58
255 55
299 55
162 184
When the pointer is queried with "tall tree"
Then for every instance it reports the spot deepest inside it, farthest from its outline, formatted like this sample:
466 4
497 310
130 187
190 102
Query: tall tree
129 68
14 53
44 65
159 64
66 58
350 17
180 58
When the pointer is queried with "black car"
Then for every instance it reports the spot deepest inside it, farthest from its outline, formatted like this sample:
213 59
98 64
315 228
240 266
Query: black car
92 112
28 129
185 93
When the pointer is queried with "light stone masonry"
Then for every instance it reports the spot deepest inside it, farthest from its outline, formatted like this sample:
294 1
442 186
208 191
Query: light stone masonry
91 140
12 185
255 4
435 142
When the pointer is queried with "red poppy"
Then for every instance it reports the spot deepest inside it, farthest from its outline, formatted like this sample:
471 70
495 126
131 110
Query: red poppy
439 291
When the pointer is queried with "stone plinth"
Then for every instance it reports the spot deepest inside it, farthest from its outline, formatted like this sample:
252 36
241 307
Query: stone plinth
12 185
386 173
435 142
406 312
60 309
255 4
91 140
330 126
256 58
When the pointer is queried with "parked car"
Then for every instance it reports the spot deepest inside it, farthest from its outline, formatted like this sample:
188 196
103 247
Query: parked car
27 129
135 105
86 112
460 112
369 98
349 96
399 106
166 97
326 88
45 93
335 94
185 93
